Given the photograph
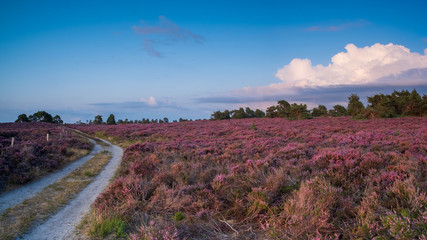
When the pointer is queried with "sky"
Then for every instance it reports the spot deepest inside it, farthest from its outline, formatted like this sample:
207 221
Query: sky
155 59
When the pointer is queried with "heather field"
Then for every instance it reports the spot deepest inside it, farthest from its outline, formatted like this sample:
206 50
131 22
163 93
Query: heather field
323 178
33 154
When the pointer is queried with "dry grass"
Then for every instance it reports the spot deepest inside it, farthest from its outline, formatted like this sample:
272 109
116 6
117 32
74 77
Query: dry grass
18 219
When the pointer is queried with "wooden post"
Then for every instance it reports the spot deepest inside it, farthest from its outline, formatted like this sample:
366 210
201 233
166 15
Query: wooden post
13 141
47 137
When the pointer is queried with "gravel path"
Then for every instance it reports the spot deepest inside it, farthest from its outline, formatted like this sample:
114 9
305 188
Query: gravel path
16 196
62 224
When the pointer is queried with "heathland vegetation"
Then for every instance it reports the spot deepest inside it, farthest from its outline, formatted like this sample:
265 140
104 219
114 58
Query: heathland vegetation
30 150
270 178
287 173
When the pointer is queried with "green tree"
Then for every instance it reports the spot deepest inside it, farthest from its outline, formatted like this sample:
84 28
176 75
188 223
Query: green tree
98 119
414 105
111 120
238 114
355 106
321 110
401 101
272 112
249 113
259 113
57 119
22 118
283 109
424 105
218 115
298 111
41 116
165 120
380 106
280 110
338 110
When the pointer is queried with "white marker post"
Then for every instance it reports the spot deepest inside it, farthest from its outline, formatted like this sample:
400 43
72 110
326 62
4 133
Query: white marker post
13 141
47 137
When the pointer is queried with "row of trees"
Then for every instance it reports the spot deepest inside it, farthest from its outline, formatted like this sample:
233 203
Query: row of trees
237 114
112 121
40 116
402 103
283 109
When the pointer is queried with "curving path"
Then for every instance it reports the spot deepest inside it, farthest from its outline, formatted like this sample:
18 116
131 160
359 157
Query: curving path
62 224
18 195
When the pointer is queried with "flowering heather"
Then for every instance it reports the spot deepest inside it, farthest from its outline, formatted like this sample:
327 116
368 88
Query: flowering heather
324 178
31 154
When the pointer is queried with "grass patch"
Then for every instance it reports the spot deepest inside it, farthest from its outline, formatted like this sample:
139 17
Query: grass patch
88 173
104 226
18 219
179 216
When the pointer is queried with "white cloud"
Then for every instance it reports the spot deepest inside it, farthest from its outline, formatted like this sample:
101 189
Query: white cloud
151 101
356 66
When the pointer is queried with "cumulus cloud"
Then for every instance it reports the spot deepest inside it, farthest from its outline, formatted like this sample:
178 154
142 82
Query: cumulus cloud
365 71
338 27
151 101
368 65
164 33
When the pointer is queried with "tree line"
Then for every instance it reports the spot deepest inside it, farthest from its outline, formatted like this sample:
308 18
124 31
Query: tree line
403 103
112 121
397 104
40 116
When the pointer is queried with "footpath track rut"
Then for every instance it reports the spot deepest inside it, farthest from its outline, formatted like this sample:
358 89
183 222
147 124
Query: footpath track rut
62 224
18 195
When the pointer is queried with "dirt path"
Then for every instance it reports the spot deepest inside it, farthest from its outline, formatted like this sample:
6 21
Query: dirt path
63 223
16 196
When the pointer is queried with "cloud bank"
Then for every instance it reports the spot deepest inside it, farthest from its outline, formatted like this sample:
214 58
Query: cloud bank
356 66
165 33
143 103
377 67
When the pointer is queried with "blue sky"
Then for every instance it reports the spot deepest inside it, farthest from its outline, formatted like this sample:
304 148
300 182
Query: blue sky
155 59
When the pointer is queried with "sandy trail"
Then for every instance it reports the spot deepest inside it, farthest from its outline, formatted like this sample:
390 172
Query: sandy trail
62 224
16 196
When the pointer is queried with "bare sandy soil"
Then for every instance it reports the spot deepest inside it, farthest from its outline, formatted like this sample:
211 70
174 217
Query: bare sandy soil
62 224
18 195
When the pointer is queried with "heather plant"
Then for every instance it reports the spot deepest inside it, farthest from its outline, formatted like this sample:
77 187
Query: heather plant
153 232
29 150
311 210
323 178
